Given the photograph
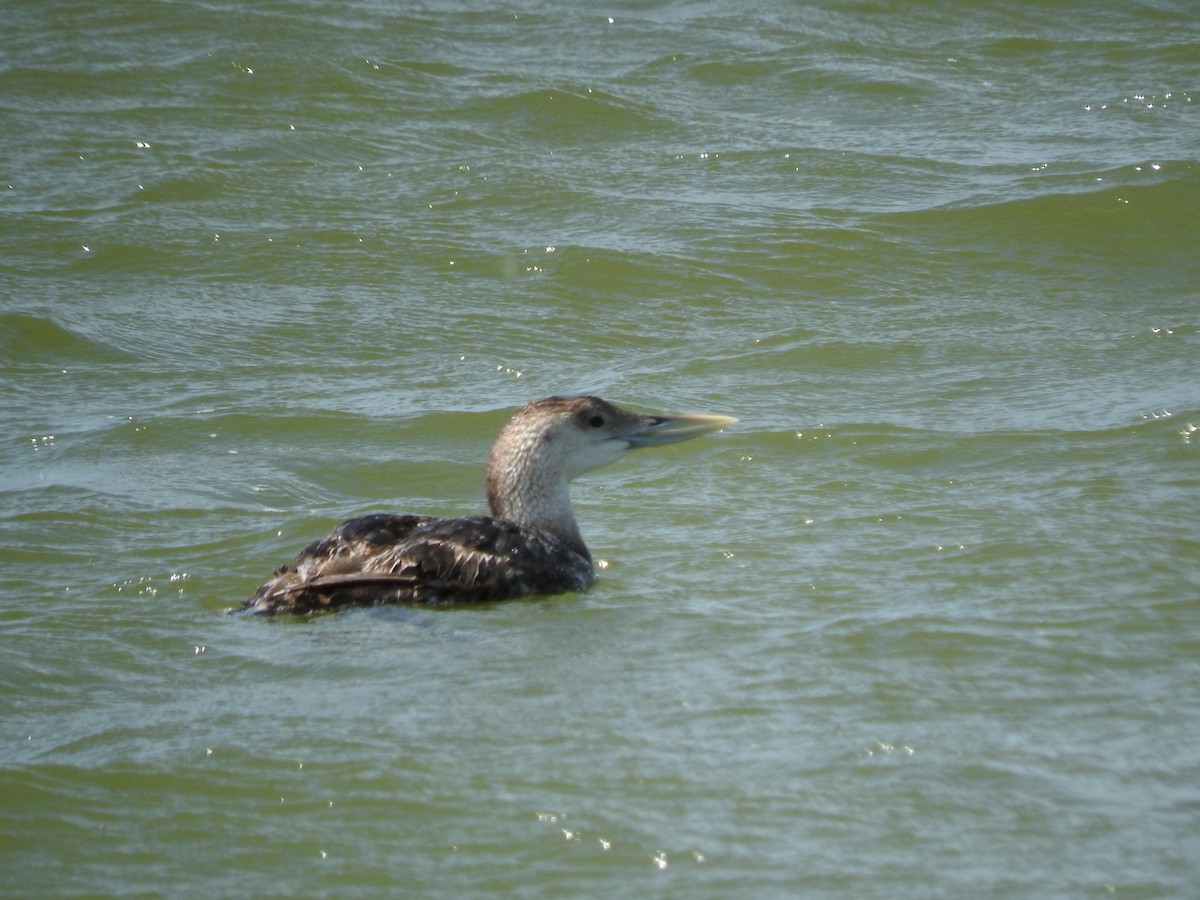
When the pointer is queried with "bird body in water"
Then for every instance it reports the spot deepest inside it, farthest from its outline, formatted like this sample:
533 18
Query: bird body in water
530 544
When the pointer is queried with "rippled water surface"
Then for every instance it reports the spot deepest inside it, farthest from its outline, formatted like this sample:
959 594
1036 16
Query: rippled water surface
926 623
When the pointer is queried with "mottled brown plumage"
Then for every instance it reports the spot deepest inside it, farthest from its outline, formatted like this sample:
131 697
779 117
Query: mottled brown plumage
529 545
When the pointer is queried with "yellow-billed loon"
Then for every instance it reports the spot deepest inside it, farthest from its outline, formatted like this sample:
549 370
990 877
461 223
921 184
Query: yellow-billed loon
529 545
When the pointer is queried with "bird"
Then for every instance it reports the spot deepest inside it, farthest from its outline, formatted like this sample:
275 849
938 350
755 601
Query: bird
530 545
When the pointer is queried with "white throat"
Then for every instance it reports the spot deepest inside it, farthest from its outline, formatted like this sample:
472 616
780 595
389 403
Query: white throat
528 485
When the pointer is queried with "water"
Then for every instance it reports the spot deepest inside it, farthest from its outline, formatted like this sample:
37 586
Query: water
923 625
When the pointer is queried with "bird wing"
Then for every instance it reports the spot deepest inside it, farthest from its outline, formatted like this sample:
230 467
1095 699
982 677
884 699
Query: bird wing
422 560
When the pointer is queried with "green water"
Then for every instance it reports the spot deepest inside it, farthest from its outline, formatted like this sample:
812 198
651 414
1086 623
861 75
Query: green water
926 623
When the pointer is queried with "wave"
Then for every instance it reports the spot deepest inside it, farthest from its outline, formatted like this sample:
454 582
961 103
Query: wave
27 338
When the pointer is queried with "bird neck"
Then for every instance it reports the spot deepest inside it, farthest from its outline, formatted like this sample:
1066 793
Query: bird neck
522 489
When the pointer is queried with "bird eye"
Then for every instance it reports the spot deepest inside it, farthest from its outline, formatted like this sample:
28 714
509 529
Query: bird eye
596 421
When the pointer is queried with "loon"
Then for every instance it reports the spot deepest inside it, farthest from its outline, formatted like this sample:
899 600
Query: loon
529 545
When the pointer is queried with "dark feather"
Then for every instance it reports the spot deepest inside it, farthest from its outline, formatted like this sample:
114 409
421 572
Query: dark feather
385 558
